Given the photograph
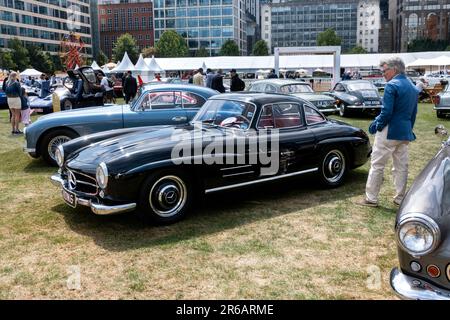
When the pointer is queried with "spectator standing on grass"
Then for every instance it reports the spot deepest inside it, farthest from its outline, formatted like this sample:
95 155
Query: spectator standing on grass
209 76
237 84
129 87
198 78
13 92
217 82
393 129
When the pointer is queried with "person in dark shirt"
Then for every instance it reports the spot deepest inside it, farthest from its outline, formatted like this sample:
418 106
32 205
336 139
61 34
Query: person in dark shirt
129 87
217 82
272 74
237 84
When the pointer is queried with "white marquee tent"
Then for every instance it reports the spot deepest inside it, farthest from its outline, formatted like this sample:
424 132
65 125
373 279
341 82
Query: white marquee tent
30 73
95 66
142 69
125 65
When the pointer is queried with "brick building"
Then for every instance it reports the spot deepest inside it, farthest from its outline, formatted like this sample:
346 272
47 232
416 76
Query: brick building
117 17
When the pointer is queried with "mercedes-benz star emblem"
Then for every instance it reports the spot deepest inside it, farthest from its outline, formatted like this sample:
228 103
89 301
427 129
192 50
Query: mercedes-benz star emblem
72 181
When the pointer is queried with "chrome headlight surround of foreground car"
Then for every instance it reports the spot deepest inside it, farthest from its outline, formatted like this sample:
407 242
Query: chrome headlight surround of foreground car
101 175
59 156
418 234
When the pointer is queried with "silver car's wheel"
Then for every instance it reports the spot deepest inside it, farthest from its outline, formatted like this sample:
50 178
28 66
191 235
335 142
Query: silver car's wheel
342 110
67 105
333 167
54 143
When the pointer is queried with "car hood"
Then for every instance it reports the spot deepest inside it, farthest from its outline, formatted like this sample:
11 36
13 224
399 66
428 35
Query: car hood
430 191
87 112
148 145
314 97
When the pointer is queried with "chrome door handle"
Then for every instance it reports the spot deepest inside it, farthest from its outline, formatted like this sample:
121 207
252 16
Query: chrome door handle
287 153
179 118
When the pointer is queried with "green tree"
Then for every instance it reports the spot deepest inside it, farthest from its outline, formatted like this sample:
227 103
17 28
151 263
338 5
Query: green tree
39 60
20 54
126 43
418 45
260 48
171 45
57 63
448 48
328 38
149 52
229 48
202 52
101 58
357 49
6 61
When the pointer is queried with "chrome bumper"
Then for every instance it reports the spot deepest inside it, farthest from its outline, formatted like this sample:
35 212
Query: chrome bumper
96 208
441 108
375 106
331 110
407 287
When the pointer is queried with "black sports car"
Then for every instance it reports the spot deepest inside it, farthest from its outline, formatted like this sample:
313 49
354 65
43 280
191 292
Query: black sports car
235 140
356 96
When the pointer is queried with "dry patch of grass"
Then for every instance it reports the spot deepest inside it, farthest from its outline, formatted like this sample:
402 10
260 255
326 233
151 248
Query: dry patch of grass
289 240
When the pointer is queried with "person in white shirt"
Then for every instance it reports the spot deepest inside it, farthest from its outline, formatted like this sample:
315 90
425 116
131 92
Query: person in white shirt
421 84
108 91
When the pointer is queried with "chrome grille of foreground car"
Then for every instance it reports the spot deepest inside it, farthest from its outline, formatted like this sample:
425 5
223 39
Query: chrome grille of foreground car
78 181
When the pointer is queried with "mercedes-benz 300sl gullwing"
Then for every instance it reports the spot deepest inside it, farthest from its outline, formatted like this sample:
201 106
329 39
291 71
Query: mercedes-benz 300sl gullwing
356 96
235 140
156 105
422 231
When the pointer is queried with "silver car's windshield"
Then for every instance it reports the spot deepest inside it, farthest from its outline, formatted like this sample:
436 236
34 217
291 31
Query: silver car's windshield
296 88
361 86
226 113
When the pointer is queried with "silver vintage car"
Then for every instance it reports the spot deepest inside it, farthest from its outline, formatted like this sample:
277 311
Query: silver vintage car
442 103
422 231
301 89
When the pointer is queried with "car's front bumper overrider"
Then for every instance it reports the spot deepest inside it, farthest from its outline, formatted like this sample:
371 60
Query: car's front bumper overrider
97 208
407 287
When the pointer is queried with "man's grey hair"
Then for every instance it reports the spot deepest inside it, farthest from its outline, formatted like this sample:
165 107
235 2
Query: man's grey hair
395 63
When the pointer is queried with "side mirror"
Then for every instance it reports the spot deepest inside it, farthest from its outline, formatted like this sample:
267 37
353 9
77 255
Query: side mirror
440 131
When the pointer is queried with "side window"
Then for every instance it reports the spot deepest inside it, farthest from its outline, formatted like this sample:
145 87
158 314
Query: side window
255 87
286 115
191 100
266 119
312 116
339 87
270 88
161 100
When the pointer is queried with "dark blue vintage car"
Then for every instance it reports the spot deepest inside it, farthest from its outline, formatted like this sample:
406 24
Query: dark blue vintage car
422 231
356 96
157 105
158 170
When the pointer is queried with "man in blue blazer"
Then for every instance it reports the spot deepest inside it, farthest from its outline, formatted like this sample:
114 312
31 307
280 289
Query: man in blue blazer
393 129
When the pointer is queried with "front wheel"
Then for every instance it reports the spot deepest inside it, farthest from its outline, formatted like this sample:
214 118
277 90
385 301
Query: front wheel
52 140
333 167
165 197
343 110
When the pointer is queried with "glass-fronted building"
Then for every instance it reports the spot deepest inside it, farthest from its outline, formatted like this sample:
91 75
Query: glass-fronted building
45 22
297 24
203 23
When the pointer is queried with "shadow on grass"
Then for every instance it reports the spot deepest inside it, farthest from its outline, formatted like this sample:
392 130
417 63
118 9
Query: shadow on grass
38 166
217 212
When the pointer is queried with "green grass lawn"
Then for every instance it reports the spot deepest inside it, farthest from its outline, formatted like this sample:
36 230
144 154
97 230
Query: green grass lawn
289 240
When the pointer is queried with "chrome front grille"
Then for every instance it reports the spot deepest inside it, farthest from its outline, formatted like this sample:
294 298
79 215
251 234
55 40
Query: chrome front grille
81 182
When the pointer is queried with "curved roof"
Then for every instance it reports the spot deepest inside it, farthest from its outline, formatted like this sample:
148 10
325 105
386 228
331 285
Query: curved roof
181 86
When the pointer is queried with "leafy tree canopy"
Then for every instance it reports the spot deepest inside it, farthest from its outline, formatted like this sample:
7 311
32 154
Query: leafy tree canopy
101 58
19 53
328 38
418 45
126 43
357 49
171 45
149 52
229 48
260 48
39 60
202 52
6 61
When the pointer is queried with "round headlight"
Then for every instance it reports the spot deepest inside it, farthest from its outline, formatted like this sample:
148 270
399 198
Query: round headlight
418 234
102 175
59 156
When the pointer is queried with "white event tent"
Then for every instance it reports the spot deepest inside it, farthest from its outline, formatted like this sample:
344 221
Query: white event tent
125 65
30 73
95 66
142 69
155 68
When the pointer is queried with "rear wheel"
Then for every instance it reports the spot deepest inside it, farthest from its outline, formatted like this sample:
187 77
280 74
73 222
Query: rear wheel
165 197
67 105
333 166
52 140
343 110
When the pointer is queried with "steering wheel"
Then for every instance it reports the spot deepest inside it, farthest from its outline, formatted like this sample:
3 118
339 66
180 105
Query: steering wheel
239 122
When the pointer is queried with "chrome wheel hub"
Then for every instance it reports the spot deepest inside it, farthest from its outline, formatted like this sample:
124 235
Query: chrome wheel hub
333 167
168 196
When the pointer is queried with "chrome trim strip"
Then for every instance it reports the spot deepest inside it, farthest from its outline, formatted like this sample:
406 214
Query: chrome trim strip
407 287
441 108
242 184
231 168
29 150
237 174
377 106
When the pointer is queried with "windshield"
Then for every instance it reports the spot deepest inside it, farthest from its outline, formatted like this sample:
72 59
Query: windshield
225 113
361 86
296 88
